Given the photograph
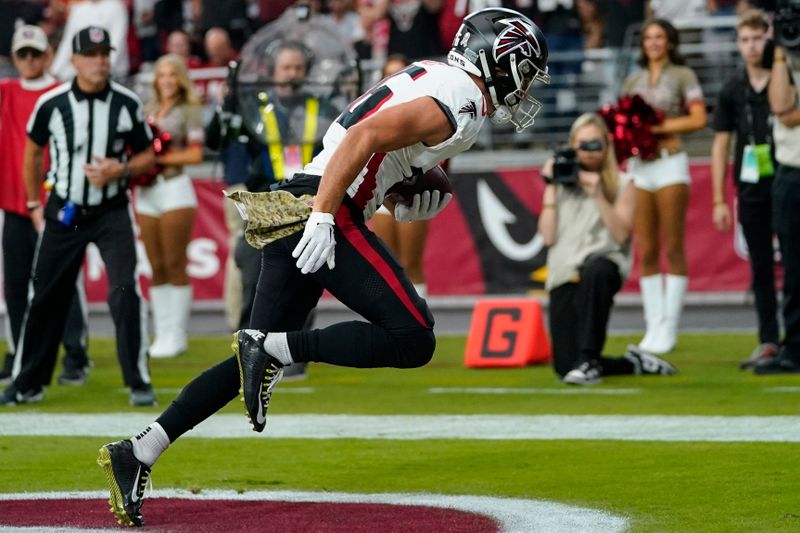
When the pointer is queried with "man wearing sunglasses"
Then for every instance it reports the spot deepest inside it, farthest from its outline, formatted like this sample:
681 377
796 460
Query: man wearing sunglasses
31 55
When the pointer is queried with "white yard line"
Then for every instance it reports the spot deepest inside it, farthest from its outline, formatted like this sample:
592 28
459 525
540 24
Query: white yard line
561 391
512 515
420 427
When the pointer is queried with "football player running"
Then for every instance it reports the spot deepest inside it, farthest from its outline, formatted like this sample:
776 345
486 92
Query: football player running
403 126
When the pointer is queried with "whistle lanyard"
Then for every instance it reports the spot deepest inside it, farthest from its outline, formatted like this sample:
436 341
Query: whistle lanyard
272 133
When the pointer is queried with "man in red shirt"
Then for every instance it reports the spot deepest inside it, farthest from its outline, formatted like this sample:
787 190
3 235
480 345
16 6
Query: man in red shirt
32 55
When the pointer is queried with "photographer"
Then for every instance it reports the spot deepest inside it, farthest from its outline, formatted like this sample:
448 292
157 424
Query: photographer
783 99
589 255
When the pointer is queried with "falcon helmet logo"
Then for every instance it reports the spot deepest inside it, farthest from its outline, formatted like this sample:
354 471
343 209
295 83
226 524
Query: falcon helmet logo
517 36
96 34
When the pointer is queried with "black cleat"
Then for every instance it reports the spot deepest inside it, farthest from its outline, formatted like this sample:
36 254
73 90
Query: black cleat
126 477
646 363
259 372
5 372
13 396
783 363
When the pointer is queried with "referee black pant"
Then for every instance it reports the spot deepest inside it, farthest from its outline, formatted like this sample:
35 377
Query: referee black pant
367 279
19 246
59 256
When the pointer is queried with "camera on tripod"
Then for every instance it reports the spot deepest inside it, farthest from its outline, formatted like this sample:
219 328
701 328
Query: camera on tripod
787 24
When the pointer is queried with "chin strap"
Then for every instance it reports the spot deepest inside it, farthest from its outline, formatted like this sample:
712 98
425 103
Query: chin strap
501 115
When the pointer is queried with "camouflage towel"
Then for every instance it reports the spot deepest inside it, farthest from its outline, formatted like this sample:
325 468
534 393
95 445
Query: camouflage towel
271 215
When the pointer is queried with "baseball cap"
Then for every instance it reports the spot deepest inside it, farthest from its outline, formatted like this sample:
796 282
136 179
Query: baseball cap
28 36
89 39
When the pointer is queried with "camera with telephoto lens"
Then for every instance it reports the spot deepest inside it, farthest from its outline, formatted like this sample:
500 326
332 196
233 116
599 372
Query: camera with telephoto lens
787 24
565 167
566 164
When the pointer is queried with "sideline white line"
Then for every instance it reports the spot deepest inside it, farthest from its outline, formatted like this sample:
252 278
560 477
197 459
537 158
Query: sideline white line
532 390
421 427
782 389
177 390
513 515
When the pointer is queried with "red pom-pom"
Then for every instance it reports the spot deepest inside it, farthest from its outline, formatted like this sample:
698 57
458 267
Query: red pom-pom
434 179
161 142
629 122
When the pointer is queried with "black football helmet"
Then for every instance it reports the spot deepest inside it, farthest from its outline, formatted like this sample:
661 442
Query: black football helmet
508 51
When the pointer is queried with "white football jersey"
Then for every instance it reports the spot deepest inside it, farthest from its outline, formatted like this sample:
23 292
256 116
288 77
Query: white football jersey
457 95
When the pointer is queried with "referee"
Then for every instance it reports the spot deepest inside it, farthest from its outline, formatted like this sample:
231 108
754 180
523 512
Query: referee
91 125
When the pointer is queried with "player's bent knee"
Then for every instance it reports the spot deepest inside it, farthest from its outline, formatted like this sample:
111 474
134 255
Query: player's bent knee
417 350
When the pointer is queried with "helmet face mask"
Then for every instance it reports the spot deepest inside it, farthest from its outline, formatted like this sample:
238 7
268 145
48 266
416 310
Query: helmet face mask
508 52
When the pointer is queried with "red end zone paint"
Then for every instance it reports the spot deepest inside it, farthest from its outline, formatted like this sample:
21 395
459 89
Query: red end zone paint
232 516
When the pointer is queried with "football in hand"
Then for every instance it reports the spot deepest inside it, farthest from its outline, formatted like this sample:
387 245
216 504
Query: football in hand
434 179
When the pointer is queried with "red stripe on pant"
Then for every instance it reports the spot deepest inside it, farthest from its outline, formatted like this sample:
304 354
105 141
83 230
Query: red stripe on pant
358 241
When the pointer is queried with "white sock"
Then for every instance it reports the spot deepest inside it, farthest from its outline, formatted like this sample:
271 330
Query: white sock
150 444
277 346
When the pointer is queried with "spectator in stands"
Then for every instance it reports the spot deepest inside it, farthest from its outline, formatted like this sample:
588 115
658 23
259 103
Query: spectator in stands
662 185
230 14
144 24
219 49
413 30
586 220
743 109
406 240
454 11
592 25
168 15
270 10
109 14
619 16
166 207
563 26
785 103
671 10
343 14
179 43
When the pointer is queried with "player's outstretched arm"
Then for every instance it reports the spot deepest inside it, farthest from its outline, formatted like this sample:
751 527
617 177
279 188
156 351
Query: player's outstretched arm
420 120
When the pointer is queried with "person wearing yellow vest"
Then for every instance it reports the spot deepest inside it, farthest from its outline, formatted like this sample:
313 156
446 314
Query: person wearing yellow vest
292 125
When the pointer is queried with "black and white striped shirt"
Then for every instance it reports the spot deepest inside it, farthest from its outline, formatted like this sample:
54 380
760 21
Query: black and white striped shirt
80 126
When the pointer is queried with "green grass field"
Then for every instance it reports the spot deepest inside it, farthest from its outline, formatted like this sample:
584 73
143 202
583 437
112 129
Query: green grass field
659 486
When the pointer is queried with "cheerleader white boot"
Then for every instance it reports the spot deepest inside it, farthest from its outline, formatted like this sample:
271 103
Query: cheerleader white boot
652 292
667 336
159 304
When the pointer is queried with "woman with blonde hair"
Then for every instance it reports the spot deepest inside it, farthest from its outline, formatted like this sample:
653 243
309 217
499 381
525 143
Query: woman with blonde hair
166 207
586 221
662 184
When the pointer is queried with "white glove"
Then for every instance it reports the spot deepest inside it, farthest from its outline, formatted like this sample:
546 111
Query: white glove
317 246
424 206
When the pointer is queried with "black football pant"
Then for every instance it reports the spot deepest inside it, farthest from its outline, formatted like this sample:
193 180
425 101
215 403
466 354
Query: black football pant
367 278
59 257
786 221
19 246
578 315
756 220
